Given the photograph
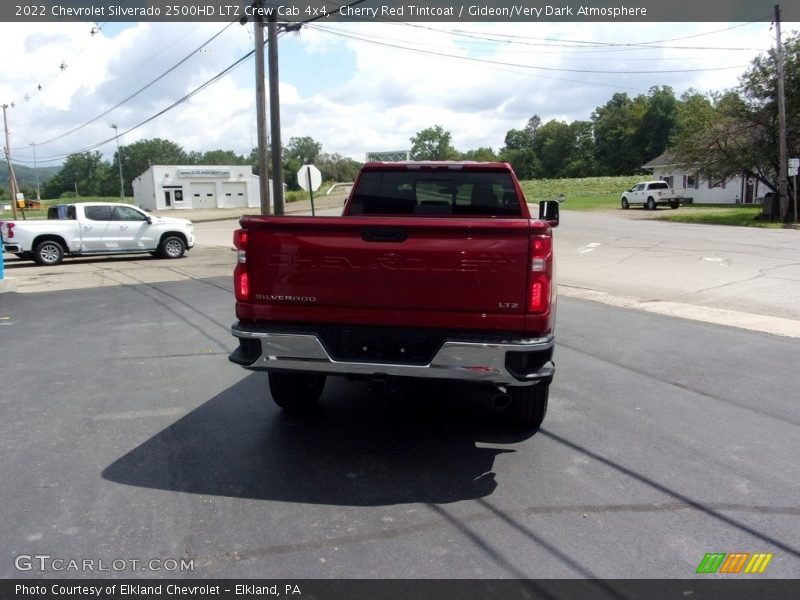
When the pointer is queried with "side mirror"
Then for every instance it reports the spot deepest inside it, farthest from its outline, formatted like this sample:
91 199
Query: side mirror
548 211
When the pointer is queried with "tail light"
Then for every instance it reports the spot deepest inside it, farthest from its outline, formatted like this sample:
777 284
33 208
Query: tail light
541 274
10 229
241 277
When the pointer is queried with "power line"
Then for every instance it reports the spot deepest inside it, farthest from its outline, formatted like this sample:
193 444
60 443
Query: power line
590 44
230 68
522 66
140 90
195 91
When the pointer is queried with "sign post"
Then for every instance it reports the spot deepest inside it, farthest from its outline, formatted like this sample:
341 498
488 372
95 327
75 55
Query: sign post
309 178
794 165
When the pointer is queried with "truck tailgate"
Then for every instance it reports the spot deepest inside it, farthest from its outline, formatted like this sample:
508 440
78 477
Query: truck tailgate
451 272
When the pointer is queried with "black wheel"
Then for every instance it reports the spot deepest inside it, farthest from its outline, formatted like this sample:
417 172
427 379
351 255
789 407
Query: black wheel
296 392
674 205
528 405
625 204
651 204
48 253
172 246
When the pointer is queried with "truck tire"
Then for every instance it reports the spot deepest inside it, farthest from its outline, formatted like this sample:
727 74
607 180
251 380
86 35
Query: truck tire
296 392
674 205
625 204
172 246
48 253
528 406
651 204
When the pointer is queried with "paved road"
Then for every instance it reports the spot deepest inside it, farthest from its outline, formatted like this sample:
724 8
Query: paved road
734 269
733 276
126 434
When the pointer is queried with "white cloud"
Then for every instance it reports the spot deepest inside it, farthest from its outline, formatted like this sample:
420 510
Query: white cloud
388 96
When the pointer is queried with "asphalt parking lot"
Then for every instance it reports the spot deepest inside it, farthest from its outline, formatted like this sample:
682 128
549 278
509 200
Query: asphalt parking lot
127 434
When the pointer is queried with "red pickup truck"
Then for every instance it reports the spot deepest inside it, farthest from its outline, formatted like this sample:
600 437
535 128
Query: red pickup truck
434 270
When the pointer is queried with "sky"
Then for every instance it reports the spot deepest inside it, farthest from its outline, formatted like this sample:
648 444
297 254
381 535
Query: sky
353 87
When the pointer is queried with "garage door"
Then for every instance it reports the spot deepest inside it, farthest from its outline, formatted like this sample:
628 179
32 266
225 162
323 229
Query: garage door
203 195
234 195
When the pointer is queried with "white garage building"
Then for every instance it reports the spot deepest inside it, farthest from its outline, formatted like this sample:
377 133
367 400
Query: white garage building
165 187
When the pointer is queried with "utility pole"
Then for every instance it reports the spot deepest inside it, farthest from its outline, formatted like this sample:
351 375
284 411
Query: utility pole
11 179
261 116
119 162
275 114
36 173
783 176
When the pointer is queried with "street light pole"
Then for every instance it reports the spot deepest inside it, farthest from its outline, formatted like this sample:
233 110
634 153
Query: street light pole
119 162
36 173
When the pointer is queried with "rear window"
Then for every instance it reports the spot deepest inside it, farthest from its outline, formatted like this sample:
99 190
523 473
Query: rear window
434 193
62 212
659 185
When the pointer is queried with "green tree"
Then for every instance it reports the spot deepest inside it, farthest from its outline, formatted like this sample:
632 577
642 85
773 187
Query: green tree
658 122
432 143
581 162
139 156
554 145
619 148
337 168
85 170
298 152
252 159
519 153
221 157
480 155
737 132
305 150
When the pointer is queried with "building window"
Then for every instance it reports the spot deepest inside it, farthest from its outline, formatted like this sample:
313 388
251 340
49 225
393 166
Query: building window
690 182
716 184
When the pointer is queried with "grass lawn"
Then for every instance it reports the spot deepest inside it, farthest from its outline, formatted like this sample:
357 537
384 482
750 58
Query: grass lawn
742 216
603 194
582 192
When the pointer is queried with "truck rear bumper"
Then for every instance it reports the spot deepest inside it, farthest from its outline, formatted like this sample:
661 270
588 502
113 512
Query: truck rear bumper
13 248
506 362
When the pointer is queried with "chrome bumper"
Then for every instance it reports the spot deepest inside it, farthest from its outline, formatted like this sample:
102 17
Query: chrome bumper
466 361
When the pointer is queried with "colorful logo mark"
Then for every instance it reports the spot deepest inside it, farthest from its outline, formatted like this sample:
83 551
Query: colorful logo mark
737 562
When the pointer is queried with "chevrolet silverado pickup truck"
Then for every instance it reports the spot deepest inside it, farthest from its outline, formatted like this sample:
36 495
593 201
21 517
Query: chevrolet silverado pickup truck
650 194
434 270
96 228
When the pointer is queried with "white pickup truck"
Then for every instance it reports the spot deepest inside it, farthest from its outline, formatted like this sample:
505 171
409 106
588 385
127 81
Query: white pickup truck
95 228
650 194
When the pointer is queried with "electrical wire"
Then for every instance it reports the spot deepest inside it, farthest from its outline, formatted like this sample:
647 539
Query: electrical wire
522 66
140 90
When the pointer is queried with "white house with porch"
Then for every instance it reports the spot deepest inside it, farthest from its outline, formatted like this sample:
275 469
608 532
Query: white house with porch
686 183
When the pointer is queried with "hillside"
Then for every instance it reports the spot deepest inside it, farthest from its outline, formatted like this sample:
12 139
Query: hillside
26 176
